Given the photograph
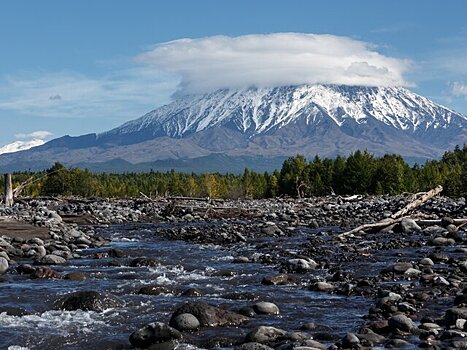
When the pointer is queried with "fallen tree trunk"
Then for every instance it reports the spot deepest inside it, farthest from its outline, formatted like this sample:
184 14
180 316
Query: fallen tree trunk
397 216
416 203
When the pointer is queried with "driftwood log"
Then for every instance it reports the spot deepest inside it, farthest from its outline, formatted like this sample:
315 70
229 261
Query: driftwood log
397 216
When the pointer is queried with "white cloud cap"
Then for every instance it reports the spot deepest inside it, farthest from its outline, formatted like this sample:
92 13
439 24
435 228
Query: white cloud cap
459 89
40 134
279 59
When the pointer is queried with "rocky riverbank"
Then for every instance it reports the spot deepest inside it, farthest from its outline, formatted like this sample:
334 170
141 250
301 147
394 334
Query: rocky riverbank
412 275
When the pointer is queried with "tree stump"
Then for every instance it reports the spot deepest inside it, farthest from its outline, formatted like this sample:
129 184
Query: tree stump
8 195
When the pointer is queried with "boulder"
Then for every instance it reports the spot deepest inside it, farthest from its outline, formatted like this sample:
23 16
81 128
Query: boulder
265 334
209 315
279 280
87 301
455 313
402 323
51 259
156 336
266 308
185 322
253 346
3 265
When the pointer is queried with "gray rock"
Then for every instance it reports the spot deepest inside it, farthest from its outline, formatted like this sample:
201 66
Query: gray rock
398 343
51 259
441 241
401 267
265 334
301 265
426 262
253 346
455 313
156 336
370 336
209 315
279 280
401 322
323 287
87 301
266 308
3 265
314 344
409 225
350 340
185 322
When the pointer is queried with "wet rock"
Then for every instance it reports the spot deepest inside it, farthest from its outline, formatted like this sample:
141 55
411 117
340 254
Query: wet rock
370 336
156 336
87 301
75 276
51 259
155 290
116 253
140 262
192 292
426 262
301 265
241 260
453 314
44 273
247 311
323 287
279 280
350 340
409 225
266 308
3 265
240 296
209 315
311 343
401 322
398 343
25 269
401 267
185 322
253 346
461 299
265 334
442 241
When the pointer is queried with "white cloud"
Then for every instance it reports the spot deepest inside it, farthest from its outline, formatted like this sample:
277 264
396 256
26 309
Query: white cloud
125 94
40 134
21 146
273 60
459 89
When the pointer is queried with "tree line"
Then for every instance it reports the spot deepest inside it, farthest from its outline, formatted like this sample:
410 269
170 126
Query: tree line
359 173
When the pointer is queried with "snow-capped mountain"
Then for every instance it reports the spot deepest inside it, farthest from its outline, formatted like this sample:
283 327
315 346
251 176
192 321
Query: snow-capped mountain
257 111
266 123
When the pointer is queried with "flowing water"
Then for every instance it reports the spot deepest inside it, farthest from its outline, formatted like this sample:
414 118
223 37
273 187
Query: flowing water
184 265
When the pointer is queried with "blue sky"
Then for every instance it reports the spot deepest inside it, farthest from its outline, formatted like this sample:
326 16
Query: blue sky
75 67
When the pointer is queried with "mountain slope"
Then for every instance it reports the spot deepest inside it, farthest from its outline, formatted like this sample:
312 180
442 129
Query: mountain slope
269 123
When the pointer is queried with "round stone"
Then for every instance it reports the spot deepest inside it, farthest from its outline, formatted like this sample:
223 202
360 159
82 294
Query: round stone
3 265
186 322
266 308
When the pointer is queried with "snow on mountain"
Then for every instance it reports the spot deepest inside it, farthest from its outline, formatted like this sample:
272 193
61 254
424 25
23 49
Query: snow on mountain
256 111
21 146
